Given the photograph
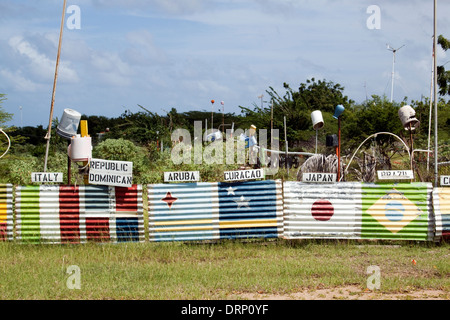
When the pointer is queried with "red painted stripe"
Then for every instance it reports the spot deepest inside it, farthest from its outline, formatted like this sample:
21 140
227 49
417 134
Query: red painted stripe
126 198
97 229
69 214
3 235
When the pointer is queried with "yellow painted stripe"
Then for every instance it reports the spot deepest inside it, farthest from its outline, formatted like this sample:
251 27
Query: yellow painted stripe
187 228
248 224
178 222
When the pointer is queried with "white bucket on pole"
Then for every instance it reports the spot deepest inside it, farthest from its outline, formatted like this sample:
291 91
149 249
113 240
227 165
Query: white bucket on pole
317 119
408 117
68 126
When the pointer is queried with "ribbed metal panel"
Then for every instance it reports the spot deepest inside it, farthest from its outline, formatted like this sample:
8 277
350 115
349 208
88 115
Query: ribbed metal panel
209 211
252 209
129 214
183 212
358 211
71 214
401 211
318 211
441 204
6 212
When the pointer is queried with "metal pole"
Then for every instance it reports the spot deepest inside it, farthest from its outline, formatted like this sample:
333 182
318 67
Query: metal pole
393 75
286 156
339 150
431 109
48 135
436 171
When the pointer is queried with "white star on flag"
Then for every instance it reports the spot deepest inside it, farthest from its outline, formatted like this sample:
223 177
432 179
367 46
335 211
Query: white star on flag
242 202
231 191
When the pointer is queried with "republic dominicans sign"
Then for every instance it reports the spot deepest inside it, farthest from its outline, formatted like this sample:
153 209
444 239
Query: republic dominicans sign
46 177
244 175
111 173
182 176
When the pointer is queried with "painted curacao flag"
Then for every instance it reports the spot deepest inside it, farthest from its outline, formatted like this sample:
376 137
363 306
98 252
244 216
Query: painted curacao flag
322 211
251 209
397 211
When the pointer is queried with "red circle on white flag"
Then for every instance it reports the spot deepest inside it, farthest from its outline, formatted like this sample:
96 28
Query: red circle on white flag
322 210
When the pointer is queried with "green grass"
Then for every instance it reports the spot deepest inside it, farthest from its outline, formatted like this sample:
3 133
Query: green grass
165 271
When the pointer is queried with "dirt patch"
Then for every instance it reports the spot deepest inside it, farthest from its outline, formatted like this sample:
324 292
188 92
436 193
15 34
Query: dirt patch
347 293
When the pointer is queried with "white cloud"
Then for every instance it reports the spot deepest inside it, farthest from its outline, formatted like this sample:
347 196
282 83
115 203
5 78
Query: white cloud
42 67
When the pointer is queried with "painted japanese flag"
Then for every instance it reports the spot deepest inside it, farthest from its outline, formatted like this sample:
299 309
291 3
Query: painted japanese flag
322 210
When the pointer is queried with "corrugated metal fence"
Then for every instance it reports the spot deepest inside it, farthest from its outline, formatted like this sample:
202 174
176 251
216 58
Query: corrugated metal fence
6 212
70 214
208 211
213 211
359 211
441 202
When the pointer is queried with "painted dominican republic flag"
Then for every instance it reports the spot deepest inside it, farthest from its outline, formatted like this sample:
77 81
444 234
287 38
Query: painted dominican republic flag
77 214
321 211
398 211
6 212
211 211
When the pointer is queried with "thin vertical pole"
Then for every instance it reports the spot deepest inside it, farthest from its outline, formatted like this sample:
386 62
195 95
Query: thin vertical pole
431 109
436 169
48 135
286 141
339 150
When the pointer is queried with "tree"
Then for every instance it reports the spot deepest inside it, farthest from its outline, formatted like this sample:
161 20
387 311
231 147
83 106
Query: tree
443 76
297 106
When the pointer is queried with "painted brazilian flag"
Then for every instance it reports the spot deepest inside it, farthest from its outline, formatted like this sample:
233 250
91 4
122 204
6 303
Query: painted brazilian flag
400 211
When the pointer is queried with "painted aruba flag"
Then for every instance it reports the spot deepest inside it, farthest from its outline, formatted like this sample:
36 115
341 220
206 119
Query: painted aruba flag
209 211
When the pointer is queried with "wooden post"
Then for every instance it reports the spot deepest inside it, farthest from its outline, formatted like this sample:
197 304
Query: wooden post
48 135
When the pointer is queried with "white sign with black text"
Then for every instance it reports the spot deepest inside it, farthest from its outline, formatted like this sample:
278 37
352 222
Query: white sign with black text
111 173
319 177
445 180
244 175
395 174
182 176
46 177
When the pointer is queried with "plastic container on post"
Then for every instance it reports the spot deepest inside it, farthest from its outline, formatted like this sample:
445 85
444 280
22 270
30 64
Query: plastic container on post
68 126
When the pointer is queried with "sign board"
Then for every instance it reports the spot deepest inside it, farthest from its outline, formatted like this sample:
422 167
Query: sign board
182 176
319 177
45 177
111 173
395 174
244 175
445 180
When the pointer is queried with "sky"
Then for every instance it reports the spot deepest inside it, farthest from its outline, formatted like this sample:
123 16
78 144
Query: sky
164 54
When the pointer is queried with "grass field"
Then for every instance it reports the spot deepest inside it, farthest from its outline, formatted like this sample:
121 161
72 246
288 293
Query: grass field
222 270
